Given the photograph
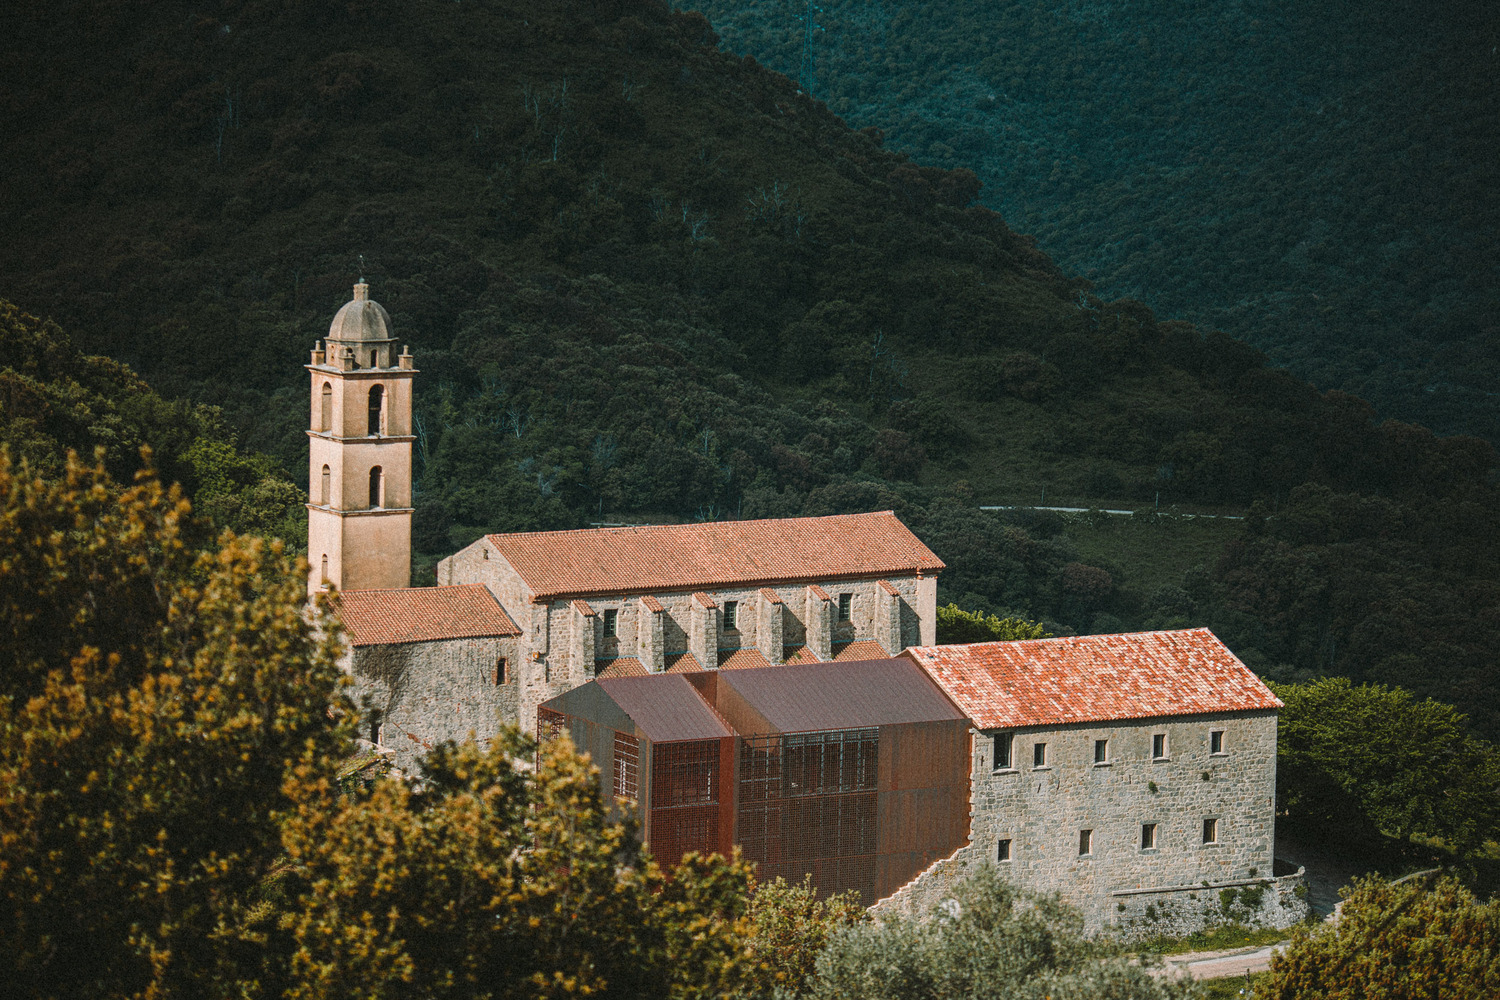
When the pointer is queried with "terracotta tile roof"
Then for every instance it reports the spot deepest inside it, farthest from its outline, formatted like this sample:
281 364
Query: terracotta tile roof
859 649
1094 678
582 607
771 595
886 586
799 654
819 592
652 604
620 666
704 600
742 659
681 663
688 556
422 614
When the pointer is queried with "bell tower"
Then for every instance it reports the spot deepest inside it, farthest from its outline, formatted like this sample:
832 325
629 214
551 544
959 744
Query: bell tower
360 436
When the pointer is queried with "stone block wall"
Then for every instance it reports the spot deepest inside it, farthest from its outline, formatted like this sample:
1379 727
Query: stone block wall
419 694
1042 808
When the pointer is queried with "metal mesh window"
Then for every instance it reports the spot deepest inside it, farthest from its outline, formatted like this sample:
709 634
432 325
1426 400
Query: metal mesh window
627 766
684 799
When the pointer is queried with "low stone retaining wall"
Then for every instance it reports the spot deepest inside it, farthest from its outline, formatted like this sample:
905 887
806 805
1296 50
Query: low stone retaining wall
1174 911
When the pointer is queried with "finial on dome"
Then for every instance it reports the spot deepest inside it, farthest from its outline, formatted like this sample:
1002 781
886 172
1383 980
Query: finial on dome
361 291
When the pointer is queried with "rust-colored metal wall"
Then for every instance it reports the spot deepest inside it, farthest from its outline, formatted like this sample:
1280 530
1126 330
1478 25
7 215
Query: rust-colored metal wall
923 801
691 799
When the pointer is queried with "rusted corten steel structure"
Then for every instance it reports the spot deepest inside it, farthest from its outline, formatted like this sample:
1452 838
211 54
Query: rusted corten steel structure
855 773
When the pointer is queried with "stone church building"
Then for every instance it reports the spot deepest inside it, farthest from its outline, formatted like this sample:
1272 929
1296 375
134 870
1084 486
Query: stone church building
1135 774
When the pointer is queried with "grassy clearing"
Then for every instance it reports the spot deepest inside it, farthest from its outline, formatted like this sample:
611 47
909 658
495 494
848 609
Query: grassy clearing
1144 556
1230 987
1218 939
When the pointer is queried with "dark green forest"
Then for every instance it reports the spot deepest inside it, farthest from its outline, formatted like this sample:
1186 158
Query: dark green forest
1317 178
647 280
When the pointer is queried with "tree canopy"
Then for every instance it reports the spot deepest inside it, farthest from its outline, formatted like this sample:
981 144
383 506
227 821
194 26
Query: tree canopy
955 625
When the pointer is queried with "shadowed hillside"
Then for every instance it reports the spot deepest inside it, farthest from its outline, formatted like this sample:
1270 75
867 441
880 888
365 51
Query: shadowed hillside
646 279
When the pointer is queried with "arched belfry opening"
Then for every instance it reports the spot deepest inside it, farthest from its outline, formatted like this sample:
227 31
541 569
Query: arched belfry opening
360 424
377 409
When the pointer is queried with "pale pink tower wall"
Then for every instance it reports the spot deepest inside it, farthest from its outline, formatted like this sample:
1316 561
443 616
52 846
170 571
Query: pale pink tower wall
359 523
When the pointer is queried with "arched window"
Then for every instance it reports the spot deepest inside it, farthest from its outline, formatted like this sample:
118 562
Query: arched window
323 493
325 411
375 487
377 403
324 577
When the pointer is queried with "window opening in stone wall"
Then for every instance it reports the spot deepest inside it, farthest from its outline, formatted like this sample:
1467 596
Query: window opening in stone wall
1216 741
325 490
502 671
846 606
627 766
375 728
377 401
325 409
375 487
1159 746
374 359
1003 743
1085 842
610 622
1101 751
325 568
1039 755
1002 852
1210 831
731 615
1148 836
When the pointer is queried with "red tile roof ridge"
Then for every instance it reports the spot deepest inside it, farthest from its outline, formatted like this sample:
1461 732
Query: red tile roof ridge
713 553
399 615
1131 675
704 600
583 608
771 595
652 605
818 592
886 586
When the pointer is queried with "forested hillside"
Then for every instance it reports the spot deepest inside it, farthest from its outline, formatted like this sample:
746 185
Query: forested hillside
1317 178
645 279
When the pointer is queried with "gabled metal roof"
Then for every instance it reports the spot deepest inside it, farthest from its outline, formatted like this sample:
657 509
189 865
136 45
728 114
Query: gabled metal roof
665 707
800 698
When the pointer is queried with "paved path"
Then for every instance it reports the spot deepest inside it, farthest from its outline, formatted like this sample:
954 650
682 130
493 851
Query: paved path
1218 964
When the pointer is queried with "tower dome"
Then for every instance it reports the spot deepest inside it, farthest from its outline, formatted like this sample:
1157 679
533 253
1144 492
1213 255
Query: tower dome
362 320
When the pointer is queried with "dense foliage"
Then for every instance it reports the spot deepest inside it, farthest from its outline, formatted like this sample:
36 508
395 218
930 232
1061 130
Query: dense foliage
1313 177
1352 762
989 941
1424 938
55 400
790 926
177 818
647 280
955 625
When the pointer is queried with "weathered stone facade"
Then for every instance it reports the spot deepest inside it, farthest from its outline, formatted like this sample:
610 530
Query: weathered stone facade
417 694
567 640
1179 884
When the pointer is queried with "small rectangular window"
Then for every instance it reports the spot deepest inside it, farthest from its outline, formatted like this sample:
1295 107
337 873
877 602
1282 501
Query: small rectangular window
1159 746
1003 743
1085 842
1002 852
1148 836
1210 831
846 606
502 675
1101 751
1216 741
1039 755
611 622
731 615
